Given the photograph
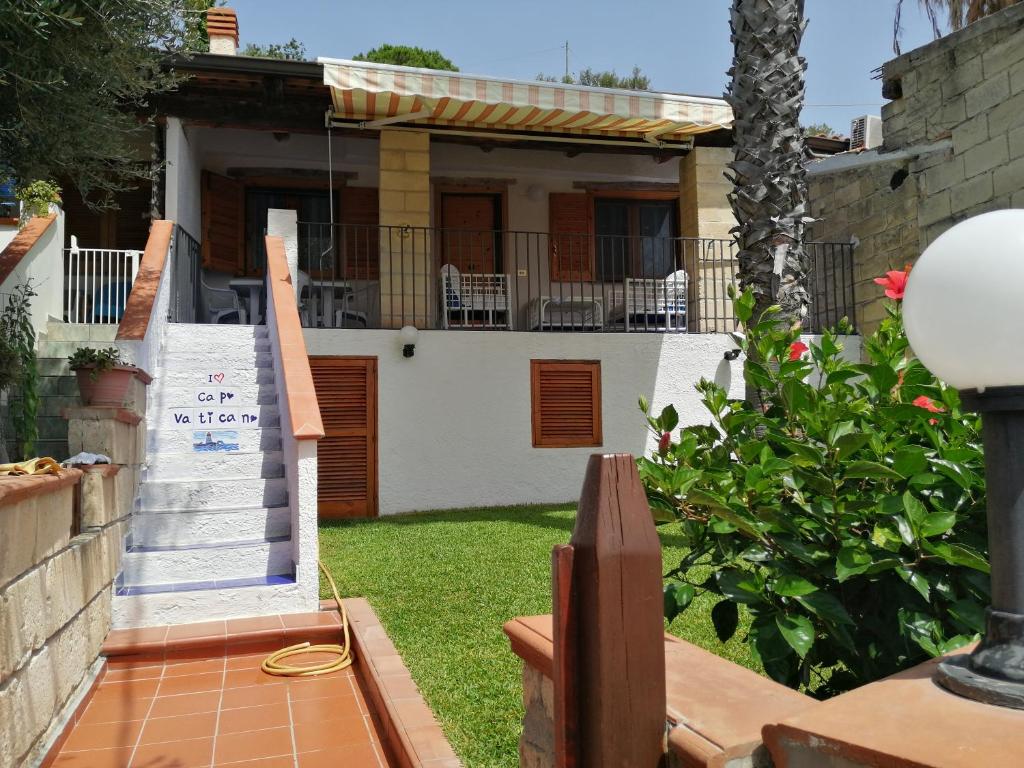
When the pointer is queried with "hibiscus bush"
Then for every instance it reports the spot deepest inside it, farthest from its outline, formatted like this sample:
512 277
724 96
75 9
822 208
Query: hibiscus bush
845 514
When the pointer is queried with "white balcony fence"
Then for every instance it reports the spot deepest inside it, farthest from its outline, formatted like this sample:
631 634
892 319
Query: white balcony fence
97 283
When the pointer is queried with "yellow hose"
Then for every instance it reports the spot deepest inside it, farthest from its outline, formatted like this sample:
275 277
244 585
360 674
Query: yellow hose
272 664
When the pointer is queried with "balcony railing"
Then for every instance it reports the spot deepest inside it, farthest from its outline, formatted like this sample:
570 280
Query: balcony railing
97 282
358 276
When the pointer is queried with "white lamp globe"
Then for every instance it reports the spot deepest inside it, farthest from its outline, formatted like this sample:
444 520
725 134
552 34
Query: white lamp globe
963 307
408 334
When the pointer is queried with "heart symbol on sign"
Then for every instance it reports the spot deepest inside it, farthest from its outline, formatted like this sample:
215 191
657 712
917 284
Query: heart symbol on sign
218 377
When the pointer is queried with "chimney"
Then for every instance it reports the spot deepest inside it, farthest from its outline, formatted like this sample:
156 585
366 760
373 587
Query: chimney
222 29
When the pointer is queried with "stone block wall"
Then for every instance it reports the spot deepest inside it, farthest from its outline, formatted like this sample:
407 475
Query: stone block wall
55 592
955 131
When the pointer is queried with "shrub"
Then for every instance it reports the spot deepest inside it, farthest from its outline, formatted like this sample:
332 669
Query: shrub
20 374
847 516
36 198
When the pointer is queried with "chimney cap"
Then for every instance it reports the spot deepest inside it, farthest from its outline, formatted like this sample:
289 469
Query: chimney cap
222 22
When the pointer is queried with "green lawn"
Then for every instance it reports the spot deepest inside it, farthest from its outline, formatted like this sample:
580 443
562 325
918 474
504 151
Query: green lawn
443 583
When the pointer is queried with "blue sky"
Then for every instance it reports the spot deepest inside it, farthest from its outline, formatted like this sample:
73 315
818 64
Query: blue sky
683 45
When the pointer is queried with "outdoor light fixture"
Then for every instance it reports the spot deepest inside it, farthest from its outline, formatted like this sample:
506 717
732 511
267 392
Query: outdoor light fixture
407 338
964 320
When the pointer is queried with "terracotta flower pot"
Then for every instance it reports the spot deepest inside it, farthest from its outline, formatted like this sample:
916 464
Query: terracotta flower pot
110 388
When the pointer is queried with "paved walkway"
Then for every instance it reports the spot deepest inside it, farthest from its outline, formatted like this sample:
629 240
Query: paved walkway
222 711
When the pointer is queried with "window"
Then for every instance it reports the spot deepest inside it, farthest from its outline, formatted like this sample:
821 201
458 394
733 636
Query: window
634 238
566 403
9 206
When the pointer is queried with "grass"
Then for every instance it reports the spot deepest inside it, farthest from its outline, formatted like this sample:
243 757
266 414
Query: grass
443 583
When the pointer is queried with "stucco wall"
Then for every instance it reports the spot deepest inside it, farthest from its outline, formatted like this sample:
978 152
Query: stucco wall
43 265
454 426
183 201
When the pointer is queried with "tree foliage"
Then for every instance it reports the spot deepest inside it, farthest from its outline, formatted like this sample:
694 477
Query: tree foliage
948 15
635 81
407 56
20 375
820 129
75 78
846 517
293 50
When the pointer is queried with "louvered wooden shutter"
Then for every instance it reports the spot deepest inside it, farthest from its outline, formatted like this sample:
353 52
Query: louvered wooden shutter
346 390
566 399
360 243
223 223
571 236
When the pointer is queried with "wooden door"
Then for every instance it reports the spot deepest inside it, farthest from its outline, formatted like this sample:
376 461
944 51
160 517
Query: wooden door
469 237
223 234
346 389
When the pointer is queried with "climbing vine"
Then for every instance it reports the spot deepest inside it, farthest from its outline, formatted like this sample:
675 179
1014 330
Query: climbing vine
20 374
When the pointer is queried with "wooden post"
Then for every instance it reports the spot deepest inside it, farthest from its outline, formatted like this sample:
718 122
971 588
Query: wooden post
609 639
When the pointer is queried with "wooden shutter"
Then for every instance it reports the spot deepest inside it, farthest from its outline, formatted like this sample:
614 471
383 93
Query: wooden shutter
223 237
566 400
571 236
360 241
346 390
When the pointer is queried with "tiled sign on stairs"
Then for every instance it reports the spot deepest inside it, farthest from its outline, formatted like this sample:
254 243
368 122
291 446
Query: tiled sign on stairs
212 528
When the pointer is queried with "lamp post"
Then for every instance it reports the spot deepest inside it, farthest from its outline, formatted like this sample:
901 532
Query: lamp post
964 314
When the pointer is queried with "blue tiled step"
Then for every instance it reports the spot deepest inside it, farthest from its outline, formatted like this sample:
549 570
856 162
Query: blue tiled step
206 545
194 586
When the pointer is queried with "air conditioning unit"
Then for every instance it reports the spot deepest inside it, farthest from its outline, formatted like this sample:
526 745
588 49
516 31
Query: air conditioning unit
866 132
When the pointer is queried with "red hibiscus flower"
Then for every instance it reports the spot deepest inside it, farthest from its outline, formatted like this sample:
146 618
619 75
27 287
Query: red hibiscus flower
929 405
664 443
797 349
895 283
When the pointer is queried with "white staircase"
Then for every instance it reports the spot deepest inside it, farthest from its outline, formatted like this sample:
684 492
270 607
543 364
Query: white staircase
211 533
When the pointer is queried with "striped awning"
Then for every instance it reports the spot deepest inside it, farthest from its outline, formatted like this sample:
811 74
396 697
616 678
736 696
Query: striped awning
379 94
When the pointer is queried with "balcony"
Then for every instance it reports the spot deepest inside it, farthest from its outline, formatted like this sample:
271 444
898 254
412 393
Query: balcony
360 276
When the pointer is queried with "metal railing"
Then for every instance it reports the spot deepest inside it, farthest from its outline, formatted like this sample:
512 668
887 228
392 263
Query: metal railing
360 276
97 283
186 265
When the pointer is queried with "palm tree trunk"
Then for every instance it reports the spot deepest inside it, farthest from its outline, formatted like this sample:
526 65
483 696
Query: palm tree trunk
769 197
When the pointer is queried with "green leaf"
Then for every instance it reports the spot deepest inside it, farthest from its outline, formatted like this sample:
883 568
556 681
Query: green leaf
726 617
916 511
790 585
839 429
740 587
916 580
852 560
885 538
910 460
906 532
956 554
677 599
850 443
826 606
871 470
970 613
798 632
937 523
669 419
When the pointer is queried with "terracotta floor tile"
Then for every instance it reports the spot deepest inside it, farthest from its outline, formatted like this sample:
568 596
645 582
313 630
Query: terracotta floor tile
132 672
208 681
254 624
246 660
195 649
115 710
320 619
251 745
147 658
331 734
318 688
103 736
97 758
194 667
254 696
355 756
319 710
186 753
198 726
261 646
191 631
270 762
242 678
128 689
188 704
137 636
253 718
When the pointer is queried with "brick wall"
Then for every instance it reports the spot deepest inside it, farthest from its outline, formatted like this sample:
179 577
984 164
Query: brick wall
956 129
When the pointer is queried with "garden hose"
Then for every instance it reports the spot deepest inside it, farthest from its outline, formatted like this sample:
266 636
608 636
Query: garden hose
272 664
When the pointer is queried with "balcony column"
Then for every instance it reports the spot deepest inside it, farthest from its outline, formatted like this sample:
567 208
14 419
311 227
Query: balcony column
704 212
407 294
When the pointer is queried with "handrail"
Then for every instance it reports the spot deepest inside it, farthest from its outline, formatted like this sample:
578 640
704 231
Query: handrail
139 308
303 408
22 243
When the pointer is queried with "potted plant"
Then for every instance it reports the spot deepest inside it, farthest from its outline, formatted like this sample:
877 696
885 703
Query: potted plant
103 375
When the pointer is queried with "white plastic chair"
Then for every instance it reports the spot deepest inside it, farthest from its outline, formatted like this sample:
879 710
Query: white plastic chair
658 304
474 293
219 301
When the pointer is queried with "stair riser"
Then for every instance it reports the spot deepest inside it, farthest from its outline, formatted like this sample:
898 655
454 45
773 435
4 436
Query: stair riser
206 605
214 334
223 494
195 376
177 397
214 466
190 528
209 564
58 331
179 441
190 420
